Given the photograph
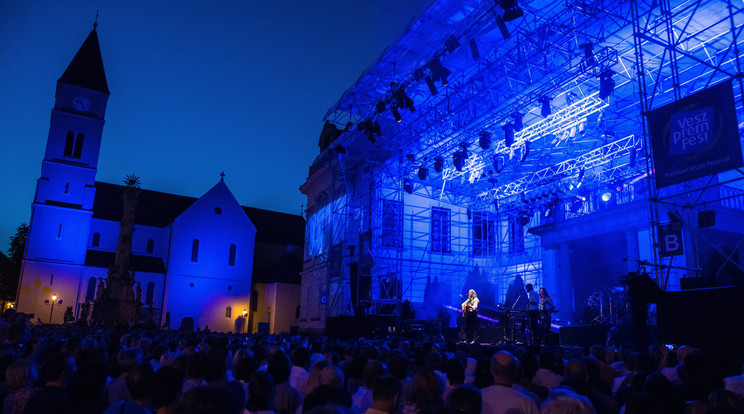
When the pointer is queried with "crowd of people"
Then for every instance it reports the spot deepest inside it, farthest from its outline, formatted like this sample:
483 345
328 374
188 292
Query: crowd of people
69 369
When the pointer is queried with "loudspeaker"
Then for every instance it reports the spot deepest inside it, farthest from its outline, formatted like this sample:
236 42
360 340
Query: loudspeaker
706 218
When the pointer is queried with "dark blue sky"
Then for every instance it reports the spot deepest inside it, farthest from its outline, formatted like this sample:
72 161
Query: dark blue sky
197 88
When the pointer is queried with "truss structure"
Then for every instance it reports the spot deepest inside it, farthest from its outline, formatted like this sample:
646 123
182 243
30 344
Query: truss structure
547 70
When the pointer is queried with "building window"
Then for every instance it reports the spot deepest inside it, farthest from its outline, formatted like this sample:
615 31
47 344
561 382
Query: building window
150 245
392 223
96 239
150 294
74 145
484 239
233 249
440 230
516 236
228 312
254 301
91 289
195 250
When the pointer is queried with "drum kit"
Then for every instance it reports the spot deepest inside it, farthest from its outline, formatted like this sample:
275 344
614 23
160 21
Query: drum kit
607 306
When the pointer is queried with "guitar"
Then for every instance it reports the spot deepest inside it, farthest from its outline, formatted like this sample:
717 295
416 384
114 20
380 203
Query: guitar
544 303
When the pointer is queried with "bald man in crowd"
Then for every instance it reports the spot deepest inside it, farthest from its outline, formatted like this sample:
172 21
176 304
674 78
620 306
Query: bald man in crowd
501 398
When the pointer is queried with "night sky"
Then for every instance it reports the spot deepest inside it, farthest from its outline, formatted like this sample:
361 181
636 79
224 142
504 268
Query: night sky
196 87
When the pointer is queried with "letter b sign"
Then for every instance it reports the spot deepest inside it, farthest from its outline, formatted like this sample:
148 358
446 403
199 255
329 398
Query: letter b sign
670 240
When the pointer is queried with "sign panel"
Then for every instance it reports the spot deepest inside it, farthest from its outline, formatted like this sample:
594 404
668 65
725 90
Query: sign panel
670 240
695 136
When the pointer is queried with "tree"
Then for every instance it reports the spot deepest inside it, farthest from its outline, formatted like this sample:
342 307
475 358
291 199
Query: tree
12 273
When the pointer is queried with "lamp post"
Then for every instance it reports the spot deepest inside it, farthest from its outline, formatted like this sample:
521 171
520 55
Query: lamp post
245 321
51 312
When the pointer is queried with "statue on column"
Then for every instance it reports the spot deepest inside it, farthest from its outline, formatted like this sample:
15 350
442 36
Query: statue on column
138 296
99 291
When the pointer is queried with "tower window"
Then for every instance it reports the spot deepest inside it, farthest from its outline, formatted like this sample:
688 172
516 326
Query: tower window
233 249
228 312
74 145
195 250
96 239
150 245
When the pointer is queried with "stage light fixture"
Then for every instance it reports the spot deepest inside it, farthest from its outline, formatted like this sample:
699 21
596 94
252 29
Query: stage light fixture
474 50
588 49
502 28
526 151
438 164
508 134
423 173
518 125
458 159
407 186
582 128
511 10
484 139
439 73
498 163
411 157
451 44
545 109
370 128
380 107
340 149
606 195
402 100
524 218
618 186
581 177
430 83
418 74
396 114
606 83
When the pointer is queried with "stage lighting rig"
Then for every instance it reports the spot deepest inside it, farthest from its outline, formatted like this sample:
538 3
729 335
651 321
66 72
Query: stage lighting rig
423 172
508 134
402 100
408 186
451 44
518 125
370 128
439 73
474 50
438 164
588 49
545 109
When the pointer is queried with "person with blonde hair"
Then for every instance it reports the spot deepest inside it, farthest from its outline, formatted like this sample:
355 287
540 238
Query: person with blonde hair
20 377
470 312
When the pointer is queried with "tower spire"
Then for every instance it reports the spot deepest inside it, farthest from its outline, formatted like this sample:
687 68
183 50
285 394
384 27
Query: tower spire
95 24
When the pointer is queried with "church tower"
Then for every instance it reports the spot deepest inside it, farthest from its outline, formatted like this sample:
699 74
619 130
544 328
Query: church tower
63 204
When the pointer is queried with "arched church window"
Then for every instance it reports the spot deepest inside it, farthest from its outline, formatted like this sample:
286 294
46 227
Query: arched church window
150 245
96 239
150 293
195 250
74 145
228 312
90 291
233 250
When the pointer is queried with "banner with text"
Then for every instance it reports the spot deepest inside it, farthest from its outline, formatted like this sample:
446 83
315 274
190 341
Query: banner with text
695 136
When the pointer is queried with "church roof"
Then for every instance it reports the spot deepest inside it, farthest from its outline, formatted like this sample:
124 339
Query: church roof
86 68
158 209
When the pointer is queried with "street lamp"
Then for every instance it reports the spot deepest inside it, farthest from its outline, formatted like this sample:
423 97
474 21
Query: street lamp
51 312
245 321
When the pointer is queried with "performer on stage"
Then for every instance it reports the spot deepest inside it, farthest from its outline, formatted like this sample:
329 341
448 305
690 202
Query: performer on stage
546 308
533 311
470 312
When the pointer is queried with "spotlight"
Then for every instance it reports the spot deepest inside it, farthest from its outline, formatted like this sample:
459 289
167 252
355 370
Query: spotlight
511 10
411 157
451 44
606 83
517 121
380 107
619 186
474 49
498 163
403 100
484 139
545 106
502 27
422 173
396 114
526 151
431 85
588 50
418 74
606 195
524 218
580 178
458 159
508 134
370 129
407 186
439 73
438 164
